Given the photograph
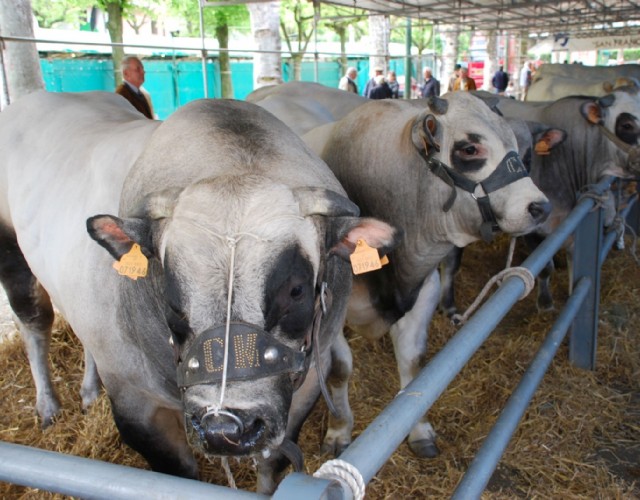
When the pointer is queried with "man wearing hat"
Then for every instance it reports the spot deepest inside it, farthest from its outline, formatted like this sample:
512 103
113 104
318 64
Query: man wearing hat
372 82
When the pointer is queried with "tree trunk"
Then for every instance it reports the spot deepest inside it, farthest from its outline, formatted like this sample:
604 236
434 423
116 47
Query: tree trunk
21 72
449 55
265 24
491 63
114 25
222 35
379 33
296 59
342 34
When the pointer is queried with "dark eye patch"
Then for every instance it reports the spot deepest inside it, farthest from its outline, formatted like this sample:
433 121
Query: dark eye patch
289 293
467 156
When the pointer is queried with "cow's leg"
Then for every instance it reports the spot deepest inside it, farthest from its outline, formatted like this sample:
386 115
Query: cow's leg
409 335
154 432
90 388
545 299
338 435
33 314
449 267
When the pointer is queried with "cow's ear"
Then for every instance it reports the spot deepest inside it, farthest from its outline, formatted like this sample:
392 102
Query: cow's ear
118 235
592 112
423 133
319 201
346 231
548 139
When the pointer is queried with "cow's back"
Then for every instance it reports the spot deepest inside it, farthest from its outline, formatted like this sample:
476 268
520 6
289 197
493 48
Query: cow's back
63 158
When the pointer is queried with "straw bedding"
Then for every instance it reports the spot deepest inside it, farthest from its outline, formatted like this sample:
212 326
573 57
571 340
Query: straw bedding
580 437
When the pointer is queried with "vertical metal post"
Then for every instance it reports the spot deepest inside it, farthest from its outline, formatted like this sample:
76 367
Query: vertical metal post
407 61
586 263
203 53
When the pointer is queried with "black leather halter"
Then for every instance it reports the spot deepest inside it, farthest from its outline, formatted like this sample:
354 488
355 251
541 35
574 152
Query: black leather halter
509 170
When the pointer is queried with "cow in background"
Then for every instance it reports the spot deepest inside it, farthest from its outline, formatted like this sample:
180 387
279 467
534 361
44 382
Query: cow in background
600 133
423 170
231 243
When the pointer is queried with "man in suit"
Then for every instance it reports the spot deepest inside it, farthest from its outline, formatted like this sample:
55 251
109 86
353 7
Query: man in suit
133 76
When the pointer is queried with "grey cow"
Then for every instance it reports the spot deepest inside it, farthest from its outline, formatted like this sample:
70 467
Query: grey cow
231 238
600 134
424 171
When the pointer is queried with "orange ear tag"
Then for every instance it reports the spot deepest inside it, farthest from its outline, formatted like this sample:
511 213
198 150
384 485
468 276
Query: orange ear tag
384 260
364 258
132 264
542 148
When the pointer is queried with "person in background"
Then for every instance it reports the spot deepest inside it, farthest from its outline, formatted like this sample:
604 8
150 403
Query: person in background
348 81
464 82
525 79
381 89
392 81
372 81
454 77
500 81
431 86
130 88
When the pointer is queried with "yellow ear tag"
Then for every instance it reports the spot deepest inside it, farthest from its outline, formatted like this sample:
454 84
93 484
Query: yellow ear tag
384 260
364 258
132 264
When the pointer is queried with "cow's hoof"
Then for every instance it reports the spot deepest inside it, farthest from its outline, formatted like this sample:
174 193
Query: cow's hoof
424 448
334 448
48 409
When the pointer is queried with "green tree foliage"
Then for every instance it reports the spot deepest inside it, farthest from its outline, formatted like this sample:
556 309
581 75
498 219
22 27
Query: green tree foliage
296 26
217 23
51 12
338 20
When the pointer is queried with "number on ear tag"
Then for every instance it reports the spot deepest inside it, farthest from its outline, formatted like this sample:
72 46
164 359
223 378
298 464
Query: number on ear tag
364 258
132 264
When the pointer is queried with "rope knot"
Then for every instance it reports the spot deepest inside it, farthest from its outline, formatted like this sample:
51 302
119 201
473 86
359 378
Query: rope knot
599 199
346 473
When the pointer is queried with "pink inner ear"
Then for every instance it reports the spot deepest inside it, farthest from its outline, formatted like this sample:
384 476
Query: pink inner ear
376 233
113 231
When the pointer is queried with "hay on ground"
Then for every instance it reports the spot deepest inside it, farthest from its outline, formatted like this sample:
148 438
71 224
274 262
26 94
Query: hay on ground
580 437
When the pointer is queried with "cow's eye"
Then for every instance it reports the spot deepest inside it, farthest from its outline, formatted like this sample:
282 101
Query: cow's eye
177 322
297 292
470 150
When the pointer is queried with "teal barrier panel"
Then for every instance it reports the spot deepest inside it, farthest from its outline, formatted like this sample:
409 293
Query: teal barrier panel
174 82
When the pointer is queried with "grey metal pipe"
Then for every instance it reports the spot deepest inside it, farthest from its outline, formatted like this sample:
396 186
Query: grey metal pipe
369 452
477 476
92 479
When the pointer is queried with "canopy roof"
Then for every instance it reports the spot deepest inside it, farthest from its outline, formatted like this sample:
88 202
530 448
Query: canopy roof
530 16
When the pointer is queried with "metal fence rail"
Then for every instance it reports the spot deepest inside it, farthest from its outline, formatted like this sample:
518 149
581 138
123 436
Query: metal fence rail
369 452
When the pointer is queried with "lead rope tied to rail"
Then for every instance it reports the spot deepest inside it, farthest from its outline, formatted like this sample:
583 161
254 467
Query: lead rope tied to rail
521 272
346 473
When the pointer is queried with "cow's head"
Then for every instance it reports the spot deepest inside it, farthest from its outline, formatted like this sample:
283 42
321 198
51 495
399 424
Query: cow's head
244 262
618 117
473 150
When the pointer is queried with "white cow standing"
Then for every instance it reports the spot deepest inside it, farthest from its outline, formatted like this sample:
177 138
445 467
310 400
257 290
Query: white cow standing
238 238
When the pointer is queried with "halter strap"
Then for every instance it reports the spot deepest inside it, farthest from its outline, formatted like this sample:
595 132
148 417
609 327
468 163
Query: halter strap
509 170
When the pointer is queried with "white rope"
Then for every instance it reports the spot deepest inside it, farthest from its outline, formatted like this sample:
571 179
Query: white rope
522 272
346 473
223 385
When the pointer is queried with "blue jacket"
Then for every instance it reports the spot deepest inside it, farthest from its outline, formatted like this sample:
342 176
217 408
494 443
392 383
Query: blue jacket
430 88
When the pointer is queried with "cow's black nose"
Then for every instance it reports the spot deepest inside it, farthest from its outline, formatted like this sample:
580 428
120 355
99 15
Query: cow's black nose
225 433
540 211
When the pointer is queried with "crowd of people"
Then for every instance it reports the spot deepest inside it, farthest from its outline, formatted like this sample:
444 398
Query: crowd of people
387 87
